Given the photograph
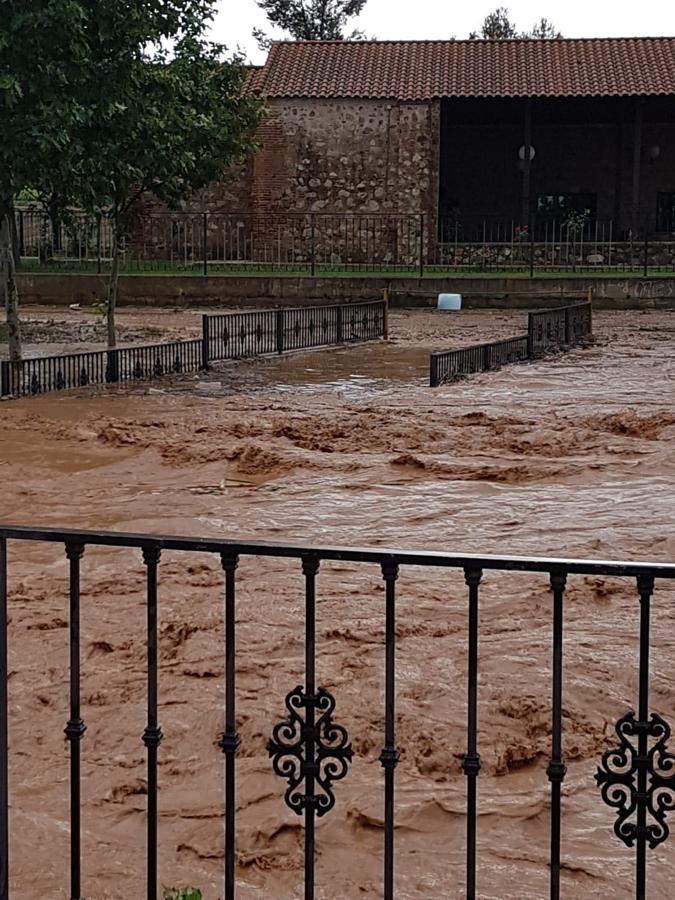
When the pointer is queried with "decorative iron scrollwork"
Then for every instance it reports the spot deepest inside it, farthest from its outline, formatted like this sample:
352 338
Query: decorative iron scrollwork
298 750
619 772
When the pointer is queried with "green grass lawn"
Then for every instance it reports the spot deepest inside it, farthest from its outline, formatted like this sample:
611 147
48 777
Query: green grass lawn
262 270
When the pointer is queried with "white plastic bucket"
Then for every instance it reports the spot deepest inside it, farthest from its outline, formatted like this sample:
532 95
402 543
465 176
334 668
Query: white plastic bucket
449 301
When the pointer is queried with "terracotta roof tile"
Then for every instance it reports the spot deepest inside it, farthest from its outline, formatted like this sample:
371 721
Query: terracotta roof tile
423 70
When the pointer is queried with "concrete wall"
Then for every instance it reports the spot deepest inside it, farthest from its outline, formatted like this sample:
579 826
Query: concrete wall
186 290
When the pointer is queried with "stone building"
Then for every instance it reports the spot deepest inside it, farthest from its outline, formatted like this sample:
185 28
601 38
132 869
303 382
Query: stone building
435 142
467 131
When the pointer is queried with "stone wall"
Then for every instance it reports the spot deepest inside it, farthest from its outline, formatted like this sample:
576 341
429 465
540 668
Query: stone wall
348 156
660 255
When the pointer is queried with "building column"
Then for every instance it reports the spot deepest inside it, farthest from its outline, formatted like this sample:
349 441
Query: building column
527 163
618 177
637 154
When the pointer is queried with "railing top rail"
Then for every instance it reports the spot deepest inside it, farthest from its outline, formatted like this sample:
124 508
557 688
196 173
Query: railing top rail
556 309
131 348
512 340
344 304
344 554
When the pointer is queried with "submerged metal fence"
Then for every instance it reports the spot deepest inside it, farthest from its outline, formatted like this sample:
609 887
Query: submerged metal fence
225 336
326 244
236 335
547 330
309 749
44 374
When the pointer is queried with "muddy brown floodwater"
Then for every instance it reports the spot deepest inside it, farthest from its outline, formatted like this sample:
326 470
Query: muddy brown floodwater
572 456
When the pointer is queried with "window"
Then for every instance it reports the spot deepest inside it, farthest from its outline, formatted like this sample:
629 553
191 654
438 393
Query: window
665 211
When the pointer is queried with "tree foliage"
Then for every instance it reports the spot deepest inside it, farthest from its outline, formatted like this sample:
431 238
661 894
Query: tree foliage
103 100
311 20
42 54
544 29
163 121
497 25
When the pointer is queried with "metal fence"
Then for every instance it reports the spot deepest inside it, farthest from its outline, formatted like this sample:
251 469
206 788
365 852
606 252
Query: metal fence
551 329
547 330
226 336
336 244
309 749
236 335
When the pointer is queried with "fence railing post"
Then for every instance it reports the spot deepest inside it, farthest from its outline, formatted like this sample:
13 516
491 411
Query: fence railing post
421 251
113 367
5 386
206 340
280 330
645 271
530 336
385 314
486 358
22 241
338 325
205 232
531 230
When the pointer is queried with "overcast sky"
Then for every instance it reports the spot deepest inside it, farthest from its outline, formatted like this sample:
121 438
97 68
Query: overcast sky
419 19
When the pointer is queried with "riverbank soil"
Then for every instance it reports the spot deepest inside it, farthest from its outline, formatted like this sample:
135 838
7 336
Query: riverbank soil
569 456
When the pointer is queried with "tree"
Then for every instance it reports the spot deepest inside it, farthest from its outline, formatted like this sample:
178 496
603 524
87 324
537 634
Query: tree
310 20
544 29
498 26
42 52
166 121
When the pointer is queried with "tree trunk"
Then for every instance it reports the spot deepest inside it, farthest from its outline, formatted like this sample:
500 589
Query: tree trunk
8 285
113 284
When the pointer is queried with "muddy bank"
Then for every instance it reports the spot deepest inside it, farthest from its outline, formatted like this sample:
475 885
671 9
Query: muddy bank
569 456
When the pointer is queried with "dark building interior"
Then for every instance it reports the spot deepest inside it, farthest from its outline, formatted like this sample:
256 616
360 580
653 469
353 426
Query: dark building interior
607 162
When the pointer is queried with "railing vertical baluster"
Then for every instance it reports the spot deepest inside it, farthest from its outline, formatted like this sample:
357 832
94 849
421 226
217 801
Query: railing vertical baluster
645 589
471 759
4 745
229 742
75 727
310 567
152 734
390 755
556 768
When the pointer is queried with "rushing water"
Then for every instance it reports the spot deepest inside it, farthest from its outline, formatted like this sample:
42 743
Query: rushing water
568 456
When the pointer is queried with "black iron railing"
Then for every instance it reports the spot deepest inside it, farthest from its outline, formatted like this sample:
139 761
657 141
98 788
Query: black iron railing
310 750
548 330
450 365
325 243
553 329
237 335
226 336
